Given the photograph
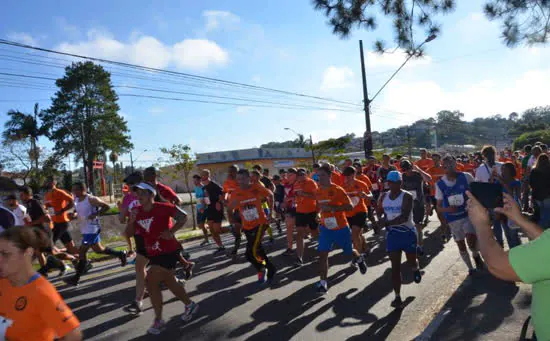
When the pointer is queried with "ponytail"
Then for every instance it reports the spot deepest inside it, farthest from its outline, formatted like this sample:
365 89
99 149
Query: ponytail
27 237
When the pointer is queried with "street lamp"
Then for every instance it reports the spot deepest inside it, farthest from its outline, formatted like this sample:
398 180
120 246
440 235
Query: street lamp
368 134
310 141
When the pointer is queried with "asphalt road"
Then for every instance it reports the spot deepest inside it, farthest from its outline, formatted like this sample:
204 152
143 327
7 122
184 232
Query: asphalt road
234 307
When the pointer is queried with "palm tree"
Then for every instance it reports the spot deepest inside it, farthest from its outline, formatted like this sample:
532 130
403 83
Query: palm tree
21 126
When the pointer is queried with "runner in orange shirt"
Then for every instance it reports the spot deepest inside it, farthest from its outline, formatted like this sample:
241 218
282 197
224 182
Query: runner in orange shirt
359 175
424 163
336 176
333 203
437 172
360 196
230 185
30 307
59 203
248 198
306 211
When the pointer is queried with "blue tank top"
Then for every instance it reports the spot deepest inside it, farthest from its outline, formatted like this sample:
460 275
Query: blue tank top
199 194
457 195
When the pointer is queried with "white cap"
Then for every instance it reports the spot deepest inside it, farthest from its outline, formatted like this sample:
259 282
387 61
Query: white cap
146 186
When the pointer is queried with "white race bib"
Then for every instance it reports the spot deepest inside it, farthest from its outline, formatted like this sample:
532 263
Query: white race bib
207 200
51 211
251 214
456 200
413 193
331 223
375 187
355 201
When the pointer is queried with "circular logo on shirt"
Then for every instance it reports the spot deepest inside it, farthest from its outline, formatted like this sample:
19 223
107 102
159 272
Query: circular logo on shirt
21 303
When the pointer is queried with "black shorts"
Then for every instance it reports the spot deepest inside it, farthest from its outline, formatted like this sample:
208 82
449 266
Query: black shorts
213 215
307 220
61 232
140 245
290 213
167 261
358 219
418 212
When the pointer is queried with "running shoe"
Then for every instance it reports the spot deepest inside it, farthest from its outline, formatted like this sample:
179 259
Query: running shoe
123 259
190 310
219 250
72 281
233 255
479 263
321 288
362 265
88 267
62 269
354 262
189 271
420 251
75 263
158 327
299 261
136 308
288 252
417 276
262 276
396 303
205 242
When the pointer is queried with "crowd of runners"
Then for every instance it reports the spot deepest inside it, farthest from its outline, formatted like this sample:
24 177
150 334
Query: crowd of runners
334 205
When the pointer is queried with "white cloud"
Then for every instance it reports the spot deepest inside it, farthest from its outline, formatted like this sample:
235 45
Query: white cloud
425 98
189 54
393 59
218 19
337 78
22 37
71 31
330 115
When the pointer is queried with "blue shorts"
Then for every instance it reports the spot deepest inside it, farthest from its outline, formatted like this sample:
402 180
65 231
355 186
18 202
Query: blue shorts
201 217
342 237
90 238
401 238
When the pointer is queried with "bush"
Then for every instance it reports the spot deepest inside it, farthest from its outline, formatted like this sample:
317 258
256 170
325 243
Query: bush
531 138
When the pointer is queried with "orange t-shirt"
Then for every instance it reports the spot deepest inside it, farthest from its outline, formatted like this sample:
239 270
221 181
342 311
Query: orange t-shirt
34 311
460 167
56 200
469 167
504 159
354 193
249 202
337 178
436 173
333 195
365 179
229 186
425 164
303 204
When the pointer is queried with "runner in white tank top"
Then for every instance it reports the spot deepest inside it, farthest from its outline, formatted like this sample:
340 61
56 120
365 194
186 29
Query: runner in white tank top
88 209
396 207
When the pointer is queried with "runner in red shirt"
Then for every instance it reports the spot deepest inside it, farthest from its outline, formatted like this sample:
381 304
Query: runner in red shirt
154 222
306 211
230 185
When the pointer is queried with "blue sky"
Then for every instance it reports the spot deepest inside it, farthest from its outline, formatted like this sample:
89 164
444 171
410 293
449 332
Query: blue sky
281 44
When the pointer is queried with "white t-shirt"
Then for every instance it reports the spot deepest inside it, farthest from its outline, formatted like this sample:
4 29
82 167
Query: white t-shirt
19 212
483 172
449 183
531 161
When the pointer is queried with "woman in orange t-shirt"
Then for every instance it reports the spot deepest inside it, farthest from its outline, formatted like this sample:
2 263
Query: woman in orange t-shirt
30 307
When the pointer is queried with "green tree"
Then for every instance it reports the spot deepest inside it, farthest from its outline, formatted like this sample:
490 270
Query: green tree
25 127
531 138
83 118
522 20
181 158
331 149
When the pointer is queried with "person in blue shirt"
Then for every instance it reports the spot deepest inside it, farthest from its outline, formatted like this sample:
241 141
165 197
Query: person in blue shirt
201 207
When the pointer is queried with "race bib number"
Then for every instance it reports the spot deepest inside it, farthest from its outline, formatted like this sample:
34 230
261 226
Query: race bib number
251 214
355 201
375 187
51 211
413 193
207 200
456 200
331 223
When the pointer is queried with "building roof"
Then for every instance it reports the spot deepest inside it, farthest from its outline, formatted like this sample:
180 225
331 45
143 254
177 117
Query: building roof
252 154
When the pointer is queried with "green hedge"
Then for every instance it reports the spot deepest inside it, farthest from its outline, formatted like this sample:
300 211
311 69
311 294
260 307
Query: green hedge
531 138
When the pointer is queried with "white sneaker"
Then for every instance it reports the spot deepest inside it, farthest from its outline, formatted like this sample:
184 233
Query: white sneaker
190 310
158 327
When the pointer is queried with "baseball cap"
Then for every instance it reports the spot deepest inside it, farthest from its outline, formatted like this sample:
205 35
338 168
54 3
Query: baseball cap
406 165
393 176
146 186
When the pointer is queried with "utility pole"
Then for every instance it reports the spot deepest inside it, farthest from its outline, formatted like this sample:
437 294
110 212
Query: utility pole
131 162
368 134
312 151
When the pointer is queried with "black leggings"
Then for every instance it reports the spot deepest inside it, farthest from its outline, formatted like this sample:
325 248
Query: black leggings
255 252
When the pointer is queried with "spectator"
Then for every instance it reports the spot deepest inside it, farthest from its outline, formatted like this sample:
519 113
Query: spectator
520 264
513 187
539 180
525 190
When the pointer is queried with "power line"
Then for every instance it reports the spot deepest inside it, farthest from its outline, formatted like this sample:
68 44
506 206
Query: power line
210 79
